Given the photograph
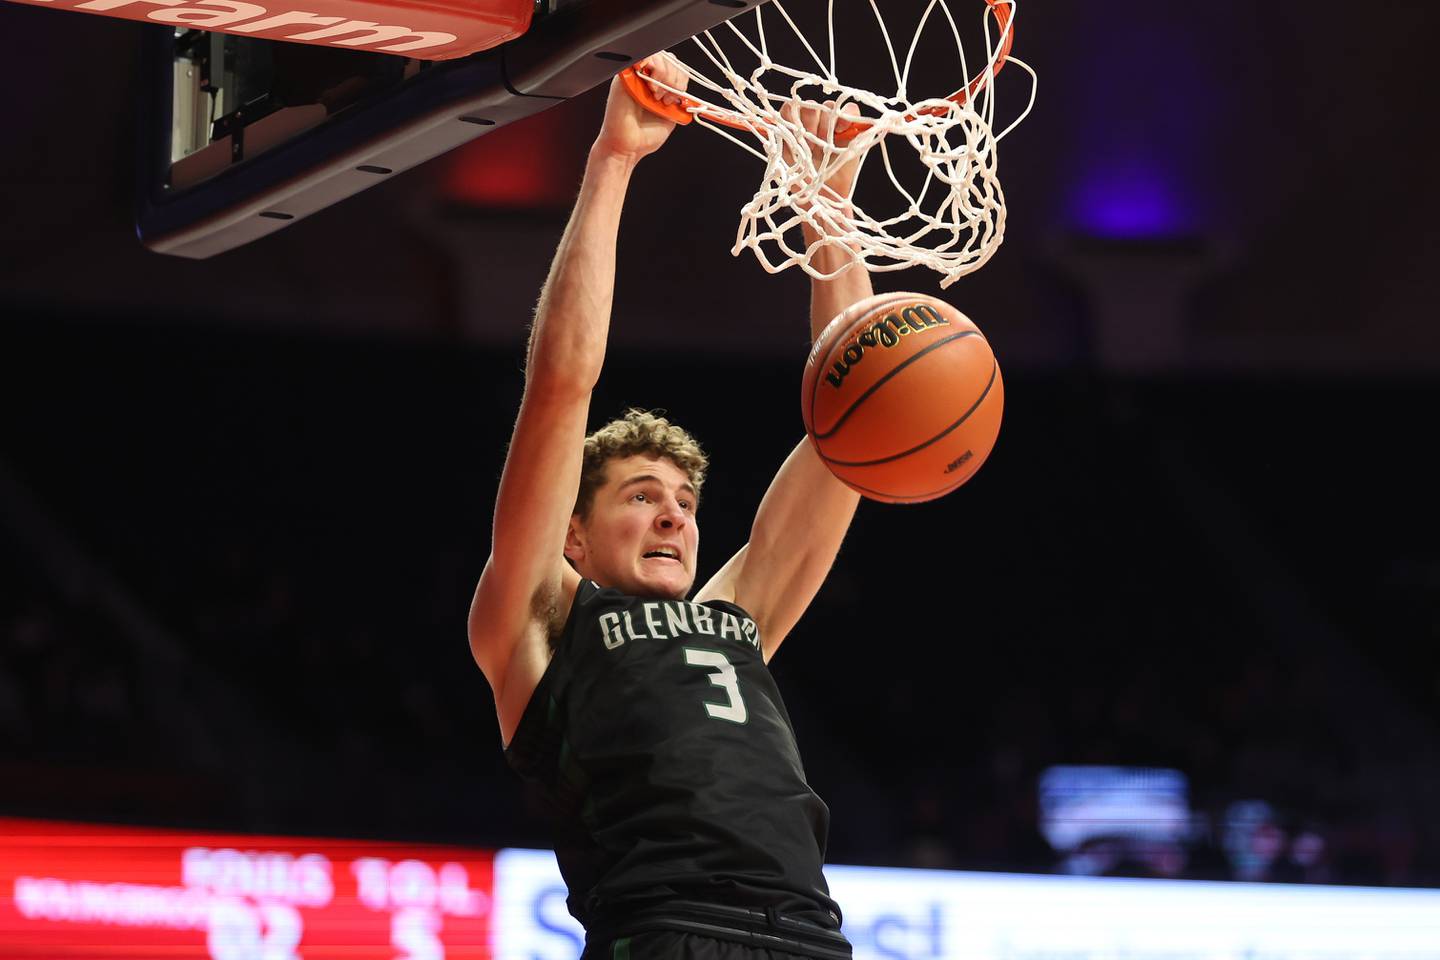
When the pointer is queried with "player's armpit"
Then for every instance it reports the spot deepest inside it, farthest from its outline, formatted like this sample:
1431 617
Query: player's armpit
793 542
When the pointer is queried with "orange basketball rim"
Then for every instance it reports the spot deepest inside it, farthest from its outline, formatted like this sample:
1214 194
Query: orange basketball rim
683 113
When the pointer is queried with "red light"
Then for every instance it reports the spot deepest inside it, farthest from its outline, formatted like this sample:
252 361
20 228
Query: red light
532 164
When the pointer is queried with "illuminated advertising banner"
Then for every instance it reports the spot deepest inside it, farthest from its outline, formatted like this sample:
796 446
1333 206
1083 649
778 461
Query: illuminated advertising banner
945 915
916 914
70 891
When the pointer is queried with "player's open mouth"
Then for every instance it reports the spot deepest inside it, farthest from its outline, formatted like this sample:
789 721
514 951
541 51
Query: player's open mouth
664 553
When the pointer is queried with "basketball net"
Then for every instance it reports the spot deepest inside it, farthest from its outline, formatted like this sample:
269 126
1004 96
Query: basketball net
952 222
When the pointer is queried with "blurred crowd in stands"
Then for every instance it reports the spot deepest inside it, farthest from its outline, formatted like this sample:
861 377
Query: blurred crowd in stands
68 682
299 664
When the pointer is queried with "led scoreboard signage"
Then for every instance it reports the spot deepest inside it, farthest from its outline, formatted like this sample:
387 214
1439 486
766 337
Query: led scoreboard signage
70 891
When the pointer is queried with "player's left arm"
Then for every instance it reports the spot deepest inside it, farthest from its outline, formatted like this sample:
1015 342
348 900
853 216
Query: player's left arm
804 515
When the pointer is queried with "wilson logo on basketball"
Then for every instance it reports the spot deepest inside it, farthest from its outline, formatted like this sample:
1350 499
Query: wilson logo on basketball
885 332
959 461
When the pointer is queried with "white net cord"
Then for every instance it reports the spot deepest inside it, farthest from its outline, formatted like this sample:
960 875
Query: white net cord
953 222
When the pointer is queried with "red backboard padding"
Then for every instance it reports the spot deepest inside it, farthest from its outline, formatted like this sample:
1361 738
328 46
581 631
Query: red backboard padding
430 30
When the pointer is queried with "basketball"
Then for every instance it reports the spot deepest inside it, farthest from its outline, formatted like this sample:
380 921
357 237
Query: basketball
902 397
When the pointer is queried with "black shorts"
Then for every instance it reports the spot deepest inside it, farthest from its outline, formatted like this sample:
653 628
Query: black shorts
669 945
687 930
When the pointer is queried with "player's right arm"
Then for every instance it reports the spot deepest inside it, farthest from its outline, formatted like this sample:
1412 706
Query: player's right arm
526 585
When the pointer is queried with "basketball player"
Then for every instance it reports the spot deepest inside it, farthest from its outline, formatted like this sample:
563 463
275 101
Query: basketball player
686 828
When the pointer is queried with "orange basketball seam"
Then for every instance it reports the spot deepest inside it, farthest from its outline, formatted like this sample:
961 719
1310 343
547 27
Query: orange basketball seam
881 300
877 384
995 369
918 498
876 304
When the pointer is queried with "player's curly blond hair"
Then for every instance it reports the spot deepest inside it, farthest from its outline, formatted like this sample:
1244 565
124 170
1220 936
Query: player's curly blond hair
638 432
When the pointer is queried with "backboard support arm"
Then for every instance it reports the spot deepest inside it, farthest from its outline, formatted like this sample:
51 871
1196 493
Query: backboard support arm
287 164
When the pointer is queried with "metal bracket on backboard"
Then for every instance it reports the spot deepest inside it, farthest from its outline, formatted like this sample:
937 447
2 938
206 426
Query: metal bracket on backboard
564 53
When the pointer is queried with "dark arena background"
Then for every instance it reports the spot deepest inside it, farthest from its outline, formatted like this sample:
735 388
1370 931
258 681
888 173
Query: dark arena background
1182 626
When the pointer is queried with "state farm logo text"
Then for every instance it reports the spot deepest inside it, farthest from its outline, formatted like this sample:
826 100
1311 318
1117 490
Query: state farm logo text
234 16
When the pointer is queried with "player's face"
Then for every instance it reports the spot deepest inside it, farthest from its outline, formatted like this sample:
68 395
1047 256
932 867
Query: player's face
640 536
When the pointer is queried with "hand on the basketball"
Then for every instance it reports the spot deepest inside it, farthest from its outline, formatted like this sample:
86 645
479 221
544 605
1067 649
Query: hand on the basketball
630 130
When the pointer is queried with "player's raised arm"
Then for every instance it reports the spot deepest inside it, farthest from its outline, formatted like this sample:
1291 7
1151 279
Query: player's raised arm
804 515
526 584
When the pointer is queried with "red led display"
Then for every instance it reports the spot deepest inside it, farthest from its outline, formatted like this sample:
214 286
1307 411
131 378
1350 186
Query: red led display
124 893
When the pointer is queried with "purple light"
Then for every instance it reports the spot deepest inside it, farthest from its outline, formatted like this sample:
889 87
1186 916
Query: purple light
1130 202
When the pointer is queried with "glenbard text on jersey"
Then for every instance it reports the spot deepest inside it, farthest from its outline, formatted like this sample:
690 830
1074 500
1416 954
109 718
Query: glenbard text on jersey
668 619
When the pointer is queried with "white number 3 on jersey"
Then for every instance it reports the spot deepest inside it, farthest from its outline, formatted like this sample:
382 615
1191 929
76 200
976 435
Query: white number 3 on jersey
724 677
